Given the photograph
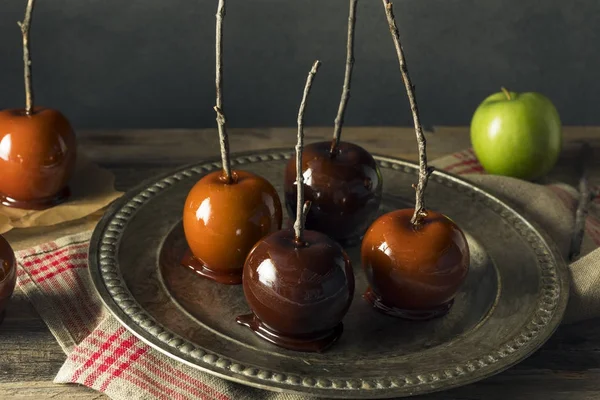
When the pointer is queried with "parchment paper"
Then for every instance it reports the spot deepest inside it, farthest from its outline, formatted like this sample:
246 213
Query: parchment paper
92 188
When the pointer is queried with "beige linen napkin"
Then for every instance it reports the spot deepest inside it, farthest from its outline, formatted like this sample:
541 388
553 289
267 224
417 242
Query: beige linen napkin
552 206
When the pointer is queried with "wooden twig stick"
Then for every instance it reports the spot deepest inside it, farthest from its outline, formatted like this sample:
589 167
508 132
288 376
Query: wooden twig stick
25 25
300 217
223 138
339 119
424 170
586 195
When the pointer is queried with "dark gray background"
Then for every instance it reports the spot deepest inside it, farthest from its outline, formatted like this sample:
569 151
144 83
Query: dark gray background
150 63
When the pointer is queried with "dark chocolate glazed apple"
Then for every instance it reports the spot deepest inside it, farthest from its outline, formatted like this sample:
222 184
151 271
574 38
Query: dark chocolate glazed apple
298 292
341 179
299 284
414 273
8 275
344 189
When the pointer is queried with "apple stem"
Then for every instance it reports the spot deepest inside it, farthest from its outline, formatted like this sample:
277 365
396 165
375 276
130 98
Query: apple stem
424 170
506 93
300 216
339 120
223 138
585 197
26 57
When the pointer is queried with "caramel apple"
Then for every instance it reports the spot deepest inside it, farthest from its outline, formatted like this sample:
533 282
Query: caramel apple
341 180
415 259
227 211
299 284
37 147
37 157
223 220
344 190
8 275
299 292
414 273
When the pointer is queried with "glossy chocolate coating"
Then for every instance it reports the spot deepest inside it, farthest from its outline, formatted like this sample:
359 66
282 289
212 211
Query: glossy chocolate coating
37 158
8 275
298 293
222 221
344 190
414 273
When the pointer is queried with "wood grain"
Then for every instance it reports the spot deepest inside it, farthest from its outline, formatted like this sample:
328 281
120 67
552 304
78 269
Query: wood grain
567 367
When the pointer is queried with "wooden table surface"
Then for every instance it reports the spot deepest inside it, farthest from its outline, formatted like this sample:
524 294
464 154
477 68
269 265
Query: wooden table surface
566 367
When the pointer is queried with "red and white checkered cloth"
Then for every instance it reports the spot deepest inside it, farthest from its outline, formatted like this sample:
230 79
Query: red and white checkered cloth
103 355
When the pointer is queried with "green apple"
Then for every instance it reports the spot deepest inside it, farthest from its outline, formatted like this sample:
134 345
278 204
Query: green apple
516 135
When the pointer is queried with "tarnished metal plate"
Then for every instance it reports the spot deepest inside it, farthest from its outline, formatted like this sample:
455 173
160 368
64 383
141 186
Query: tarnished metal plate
514 297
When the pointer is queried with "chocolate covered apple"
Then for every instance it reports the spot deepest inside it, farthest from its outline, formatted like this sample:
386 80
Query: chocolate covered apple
227 211
341 179
415 259
299 284
37 147
345 190
8 275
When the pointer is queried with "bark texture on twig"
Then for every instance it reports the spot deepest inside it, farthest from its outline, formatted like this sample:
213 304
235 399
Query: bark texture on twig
300 217
25 25
424 170
223 138
586 196
339 120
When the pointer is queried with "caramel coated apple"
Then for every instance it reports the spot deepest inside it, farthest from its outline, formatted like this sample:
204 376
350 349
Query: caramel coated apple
298 292
8 275
414 273
37 158
223 221
344 190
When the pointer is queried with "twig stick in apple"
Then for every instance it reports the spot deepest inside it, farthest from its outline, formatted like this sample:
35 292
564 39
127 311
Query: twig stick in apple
339 120
25 25
300 216
424 170
223 138
585 197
